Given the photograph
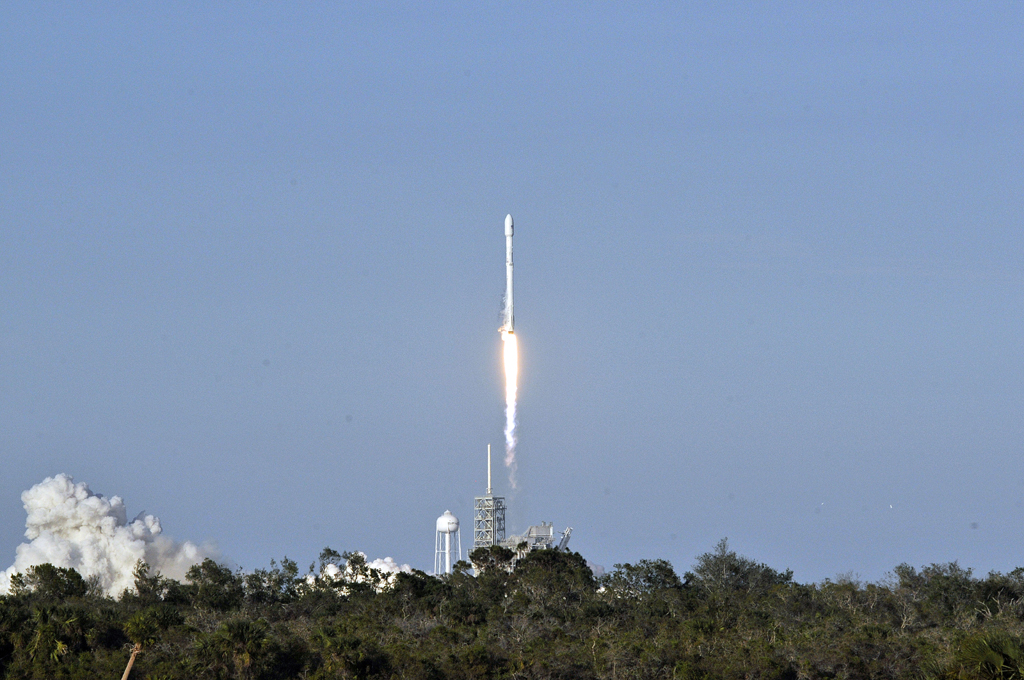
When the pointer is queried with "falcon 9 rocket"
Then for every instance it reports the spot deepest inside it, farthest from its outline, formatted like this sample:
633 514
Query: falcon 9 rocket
509 324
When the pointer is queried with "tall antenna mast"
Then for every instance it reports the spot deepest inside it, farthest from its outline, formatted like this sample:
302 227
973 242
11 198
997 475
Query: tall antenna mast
488 469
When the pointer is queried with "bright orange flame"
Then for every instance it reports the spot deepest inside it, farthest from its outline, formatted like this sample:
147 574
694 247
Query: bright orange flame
511 352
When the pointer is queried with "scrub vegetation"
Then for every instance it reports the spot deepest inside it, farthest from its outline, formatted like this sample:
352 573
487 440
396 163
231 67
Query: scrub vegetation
543 616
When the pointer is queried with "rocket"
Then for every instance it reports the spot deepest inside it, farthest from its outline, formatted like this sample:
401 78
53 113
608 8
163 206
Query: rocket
509 324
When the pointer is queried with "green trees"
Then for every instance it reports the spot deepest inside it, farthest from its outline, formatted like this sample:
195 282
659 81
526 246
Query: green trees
552 583
647 592
242 643
346 653
646 579
986 656
272 587
50 583
722 573
56 631
492 558
543 615
238 648
214 586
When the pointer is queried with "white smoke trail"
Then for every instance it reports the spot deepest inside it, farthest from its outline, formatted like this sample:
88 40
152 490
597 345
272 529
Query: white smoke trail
511 352
70 526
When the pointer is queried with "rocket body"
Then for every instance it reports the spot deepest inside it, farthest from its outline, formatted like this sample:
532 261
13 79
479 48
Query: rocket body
509 324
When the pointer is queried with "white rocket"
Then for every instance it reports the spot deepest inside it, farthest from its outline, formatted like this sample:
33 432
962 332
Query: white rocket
509 324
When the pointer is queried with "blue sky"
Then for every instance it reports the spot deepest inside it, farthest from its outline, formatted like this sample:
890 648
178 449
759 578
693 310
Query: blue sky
768 274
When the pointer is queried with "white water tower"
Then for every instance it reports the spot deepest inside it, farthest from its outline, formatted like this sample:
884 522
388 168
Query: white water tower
447 542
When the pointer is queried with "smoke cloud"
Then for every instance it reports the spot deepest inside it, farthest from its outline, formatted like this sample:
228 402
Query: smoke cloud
70 526
379 573
389 566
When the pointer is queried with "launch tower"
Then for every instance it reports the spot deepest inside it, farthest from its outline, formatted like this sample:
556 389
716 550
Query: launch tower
488 515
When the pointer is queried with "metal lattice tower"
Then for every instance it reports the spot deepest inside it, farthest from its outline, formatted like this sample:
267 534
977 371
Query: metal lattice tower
488 515
488 521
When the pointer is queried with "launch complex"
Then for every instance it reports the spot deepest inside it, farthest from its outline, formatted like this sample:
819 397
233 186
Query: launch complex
489 510
489 525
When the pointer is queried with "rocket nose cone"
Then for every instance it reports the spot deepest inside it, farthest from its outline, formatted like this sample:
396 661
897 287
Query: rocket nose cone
508 225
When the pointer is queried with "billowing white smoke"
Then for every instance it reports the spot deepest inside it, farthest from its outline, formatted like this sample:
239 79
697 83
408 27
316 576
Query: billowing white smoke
70 526
389 566
379 573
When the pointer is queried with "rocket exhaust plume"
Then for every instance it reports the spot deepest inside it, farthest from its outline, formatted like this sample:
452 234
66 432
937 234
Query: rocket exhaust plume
511 359
511 351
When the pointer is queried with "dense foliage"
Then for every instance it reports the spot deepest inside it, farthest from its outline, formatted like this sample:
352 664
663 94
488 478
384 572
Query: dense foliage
544 616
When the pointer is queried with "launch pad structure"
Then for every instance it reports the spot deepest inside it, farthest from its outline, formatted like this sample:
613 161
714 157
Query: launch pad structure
488 515
489 525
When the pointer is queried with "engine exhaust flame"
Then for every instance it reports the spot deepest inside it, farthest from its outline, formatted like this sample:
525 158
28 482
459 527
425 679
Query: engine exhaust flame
511 352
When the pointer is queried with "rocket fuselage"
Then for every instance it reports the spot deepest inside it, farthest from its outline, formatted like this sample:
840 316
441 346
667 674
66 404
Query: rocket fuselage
509 324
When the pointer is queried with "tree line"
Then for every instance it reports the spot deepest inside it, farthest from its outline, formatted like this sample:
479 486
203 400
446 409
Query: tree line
544 615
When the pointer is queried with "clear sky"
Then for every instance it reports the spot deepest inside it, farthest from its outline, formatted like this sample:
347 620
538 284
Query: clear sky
768 274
